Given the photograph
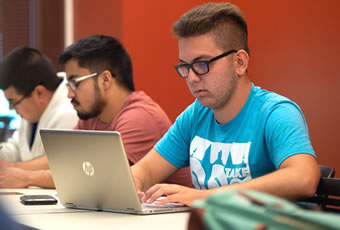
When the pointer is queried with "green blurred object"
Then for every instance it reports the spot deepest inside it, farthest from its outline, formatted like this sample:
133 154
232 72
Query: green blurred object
245 209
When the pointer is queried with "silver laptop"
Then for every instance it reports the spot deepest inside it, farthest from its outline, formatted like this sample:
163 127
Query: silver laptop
91 171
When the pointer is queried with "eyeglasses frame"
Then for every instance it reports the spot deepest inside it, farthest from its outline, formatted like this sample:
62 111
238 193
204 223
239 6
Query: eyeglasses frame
16 103
207 62
73 83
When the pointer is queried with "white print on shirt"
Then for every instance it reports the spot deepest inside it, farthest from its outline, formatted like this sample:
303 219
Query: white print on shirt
228 163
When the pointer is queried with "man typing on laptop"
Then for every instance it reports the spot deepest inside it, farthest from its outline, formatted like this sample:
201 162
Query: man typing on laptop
235 135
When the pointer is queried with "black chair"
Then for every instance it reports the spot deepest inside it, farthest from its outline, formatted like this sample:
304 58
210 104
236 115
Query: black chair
4 126
327 195
327 171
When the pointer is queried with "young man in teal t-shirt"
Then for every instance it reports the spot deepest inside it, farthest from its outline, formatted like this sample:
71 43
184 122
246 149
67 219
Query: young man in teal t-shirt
235 135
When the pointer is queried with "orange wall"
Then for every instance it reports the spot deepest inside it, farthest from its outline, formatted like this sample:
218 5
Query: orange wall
294 48
97 17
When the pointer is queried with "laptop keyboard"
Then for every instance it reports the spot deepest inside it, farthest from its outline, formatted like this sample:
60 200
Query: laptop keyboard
168 205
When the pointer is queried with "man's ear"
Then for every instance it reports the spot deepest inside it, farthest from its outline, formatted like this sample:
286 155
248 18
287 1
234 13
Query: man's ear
39 91
241 59
106 79
41 95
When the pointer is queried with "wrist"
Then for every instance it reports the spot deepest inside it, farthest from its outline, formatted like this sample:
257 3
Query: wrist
30 178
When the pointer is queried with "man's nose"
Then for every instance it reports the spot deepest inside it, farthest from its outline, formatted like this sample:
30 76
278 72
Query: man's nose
192 76
71 93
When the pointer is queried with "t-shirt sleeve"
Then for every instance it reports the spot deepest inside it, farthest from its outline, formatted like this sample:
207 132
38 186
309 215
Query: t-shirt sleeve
175 144
140 131
286 133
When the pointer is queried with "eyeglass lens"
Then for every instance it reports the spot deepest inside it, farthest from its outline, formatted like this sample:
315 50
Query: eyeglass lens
199 67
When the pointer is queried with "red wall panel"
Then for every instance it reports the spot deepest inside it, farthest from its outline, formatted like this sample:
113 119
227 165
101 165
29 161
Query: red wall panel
294 48
147 33
97 17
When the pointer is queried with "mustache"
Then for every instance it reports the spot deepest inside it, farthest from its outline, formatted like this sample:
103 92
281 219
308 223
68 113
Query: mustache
74 101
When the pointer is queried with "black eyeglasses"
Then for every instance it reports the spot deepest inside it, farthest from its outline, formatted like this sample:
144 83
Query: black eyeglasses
13 104
199 67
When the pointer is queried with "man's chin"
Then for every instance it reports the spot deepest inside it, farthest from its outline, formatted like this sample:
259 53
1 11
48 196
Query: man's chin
204 102
91 113
83 116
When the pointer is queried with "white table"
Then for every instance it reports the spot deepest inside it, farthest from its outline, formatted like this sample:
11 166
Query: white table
51 217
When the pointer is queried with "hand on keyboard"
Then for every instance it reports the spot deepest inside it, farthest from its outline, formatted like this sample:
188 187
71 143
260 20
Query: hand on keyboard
154 205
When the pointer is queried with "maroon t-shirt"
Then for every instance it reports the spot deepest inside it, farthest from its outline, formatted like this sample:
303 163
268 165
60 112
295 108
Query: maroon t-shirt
141 123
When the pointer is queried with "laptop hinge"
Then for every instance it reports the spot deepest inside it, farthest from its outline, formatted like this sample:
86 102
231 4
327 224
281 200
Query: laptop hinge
70 205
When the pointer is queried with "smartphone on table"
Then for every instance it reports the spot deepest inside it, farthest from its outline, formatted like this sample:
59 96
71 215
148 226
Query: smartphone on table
38 200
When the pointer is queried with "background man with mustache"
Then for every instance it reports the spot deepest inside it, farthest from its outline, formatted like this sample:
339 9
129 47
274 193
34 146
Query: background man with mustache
102 91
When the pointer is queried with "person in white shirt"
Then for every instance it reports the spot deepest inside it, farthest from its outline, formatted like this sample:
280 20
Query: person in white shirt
33 89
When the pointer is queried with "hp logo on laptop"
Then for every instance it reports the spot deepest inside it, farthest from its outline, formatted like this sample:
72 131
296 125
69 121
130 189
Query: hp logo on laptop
88 168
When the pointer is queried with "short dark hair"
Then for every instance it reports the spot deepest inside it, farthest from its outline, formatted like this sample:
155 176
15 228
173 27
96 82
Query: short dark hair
100 52
24 68
224 21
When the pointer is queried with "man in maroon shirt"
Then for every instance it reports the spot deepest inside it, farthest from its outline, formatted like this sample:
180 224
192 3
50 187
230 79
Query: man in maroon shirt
101 88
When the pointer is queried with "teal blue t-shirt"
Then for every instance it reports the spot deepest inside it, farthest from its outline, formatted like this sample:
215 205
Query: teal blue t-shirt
268 129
